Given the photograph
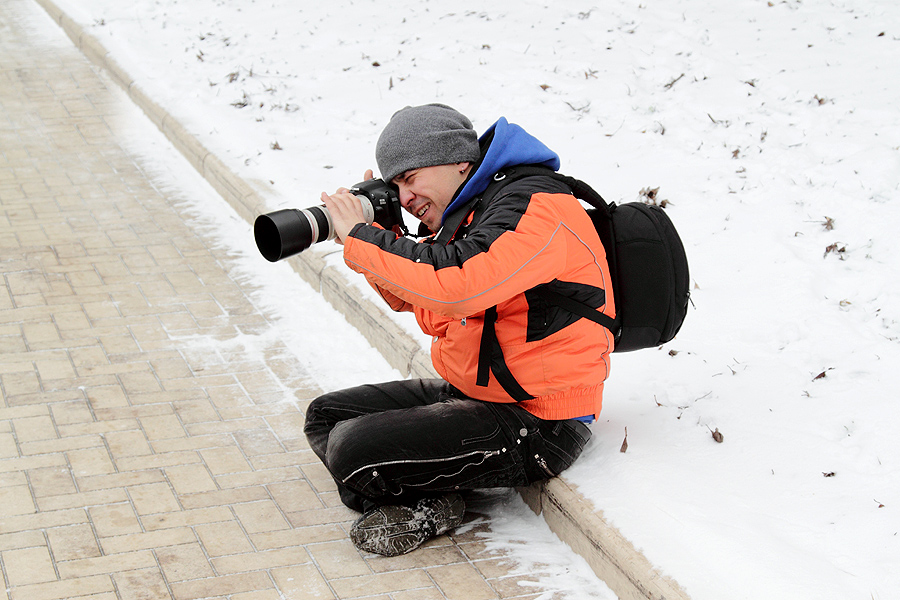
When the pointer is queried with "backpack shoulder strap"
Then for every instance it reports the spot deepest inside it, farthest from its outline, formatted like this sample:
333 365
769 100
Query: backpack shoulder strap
490 358
580 189
576 307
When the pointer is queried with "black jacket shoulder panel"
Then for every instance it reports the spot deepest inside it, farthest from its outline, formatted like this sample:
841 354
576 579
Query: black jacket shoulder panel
508 203
500 214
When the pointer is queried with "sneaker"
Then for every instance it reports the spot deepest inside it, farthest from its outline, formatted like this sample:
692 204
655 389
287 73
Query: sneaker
396 530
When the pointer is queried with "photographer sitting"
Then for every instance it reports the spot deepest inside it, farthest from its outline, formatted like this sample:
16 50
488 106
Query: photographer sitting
521 378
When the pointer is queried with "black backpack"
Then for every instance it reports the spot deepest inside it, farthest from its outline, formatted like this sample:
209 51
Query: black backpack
647 262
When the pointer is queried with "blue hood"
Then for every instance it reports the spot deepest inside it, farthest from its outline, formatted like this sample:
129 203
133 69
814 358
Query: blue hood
510 145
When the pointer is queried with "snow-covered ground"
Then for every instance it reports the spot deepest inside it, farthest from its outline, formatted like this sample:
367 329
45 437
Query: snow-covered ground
772 130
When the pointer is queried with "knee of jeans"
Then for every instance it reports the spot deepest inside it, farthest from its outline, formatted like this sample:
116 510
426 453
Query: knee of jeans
347 451
311 422
316 408
316 427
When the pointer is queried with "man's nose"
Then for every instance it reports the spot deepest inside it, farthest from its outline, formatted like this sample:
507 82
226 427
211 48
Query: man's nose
406 196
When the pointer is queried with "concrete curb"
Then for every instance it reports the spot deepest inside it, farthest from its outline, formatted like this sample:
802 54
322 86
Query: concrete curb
571 516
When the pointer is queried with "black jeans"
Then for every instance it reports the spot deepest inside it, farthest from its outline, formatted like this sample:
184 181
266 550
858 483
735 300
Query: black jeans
393 443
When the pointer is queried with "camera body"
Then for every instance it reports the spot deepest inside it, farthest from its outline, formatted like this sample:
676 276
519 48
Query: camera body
286 232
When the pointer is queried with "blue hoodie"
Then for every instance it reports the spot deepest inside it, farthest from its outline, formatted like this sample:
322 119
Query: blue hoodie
511 146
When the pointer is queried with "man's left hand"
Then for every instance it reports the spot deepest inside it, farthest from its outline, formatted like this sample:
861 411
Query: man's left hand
346 212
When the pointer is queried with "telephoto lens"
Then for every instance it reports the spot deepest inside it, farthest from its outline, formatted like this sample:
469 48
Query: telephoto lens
286 232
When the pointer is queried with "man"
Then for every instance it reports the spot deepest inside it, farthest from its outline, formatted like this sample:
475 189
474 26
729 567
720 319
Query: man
521 377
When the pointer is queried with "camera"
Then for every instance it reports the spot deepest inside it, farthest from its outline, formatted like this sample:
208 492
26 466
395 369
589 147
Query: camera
286 232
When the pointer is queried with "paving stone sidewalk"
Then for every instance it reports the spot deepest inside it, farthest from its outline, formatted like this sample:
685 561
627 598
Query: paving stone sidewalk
133 466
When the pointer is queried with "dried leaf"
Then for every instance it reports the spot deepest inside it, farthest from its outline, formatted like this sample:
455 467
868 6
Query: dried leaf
648 195
836 249
823 374
829 474
716 435
624 442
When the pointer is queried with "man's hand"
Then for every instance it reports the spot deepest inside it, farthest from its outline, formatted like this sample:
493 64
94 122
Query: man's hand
345 209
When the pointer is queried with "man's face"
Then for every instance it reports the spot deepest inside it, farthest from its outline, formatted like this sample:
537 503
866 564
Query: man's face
427 192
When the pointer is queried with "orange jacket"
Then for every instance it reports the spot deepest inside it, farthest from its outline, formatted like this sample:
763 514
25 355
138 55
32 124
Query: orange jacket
533 233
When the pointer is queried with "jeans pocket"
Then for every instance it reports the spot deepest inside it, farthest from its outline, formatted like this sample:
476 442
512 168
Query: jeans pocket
558 444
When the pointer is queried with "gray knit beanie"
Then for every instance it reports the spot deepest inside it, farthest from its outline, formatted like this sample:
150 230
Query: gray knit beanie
425 136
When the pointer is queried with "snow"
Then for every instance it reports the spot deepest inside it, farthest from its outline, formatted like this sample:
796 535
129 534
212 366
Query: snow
772 130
